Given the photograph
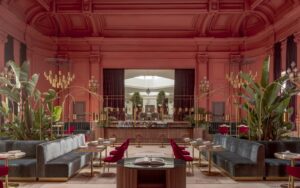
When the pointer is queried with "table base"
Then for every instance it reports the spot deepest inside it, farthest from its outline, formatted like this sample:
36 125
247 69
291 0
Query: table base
211 173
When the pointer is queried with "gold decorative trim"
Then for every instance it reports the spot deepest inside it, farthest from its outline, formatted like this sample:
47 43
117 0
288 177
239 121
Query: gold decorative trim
29 179
276 178
53 179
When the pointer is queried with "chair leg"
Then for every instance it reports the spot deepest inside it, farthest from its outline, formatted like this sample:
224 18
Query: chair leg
104 164
126 153
192 168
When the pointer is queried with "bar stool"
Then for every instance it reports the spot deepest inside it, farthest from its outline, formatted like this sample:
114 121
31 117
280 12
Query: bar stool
224 129
162 138
187 158
243 130
138 139
3 172
292 171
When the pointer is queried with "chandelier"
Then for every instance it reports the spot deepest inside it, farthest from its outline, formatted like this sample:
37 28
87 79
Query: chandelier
236 81
93 84
7 73
59 81
148 91
293 73
204 85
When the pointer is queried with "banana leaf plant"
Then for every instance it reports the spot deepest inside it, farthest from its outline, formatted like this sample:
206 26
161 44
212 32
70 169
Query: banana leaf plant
265 103
34 109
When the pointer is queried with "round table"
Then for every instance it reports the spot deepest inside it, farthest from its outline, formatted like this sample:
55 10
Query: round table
7 157
93 149
291 157
200 146
210 149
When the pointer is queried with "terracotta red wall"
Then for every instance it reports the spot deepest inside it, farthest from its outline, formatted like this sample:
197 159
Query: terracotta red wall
211 57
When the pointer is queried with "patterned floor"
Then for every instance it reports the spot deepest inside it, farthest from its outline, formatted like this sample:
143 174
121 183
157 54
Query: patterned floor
108 180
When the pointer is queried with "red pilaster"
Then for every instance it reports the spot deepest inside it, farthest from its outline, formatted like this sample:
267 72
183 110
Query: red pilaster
203 67
3 40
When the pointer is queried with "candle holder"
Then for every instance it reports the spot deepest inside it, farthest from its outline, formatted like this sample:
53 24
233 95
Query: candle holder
93 84
59 81
236 80
204 85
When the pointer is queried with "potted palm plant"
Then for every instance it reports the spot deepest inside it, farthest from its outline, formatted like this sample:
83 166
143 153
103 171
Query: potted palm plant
266 102
36 111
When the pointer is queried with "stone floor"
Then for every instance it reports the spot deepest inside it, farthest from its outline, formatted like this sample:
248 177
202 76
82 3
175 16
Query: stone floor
108 180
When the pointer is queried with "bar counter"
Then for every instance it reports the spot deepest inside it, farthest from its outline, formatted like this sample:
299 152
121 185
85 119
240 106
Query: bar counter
153 134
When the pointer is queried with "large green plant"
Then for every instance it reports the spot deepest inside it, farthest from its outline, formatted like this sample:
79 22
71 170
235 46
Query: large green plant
161 96
198 122
36 111
265 103
136 99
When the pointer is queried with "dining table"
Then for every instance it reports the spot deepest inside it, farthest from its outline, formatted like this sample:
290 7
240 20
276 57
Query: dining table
292 157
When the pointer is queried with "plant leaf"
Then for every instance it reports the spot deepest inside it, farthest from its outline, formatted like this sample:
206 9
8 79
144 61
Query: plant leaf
264 82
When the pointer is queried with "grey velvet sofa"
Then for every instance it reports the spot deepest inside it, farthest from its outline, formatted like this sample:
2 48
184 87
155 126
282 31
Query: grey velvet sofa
24 168
241 159
58 160
275 168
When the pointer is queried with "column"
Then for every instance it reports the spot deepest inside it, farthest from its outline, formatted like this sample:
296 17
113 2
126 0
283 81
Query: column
235 68
94 72
203 71
3 40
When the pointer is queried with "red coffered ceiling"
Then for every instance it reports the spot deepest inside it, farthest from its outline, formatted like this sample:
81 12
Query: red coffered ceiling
150 18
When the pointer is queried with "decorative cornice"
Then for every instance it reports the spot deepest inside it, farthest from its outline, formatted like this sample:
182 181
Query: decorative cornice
3 37
297 38
235 58
95 57
202 58
283 44
270 50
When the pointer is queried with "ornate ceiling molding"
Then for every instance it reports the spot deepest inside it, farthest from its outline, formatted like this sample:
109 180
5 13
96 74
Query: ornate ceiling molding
157 18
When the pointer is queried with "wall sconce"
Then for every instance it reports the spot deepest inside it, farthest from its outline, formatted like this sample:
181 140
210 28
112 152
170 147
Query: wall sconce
59 81
236 81
93 84
8 74
204 85
74 117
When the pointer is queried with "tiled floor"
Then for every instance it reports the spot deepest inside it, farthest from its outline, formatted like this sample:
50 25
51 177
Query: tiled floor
108 180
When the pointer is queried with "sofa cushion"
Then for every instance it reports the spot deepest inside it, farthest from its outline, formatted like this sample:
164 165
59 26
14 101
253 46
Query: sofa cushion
67 145
244 148
28 146
67 164
21 167
52 150
241 167
3 146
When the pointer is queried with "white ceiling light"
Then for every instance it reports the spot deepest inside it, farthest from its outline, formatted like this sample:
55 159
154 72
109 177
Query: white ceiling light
151 82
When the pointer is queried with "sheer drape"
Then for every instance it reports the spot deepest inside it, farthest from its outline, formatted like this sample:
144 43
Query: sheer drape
183 93
113 91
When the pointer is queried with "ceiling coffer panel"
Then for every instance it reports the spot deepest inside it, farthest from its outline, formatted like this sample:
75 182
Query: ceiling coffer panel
155 18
